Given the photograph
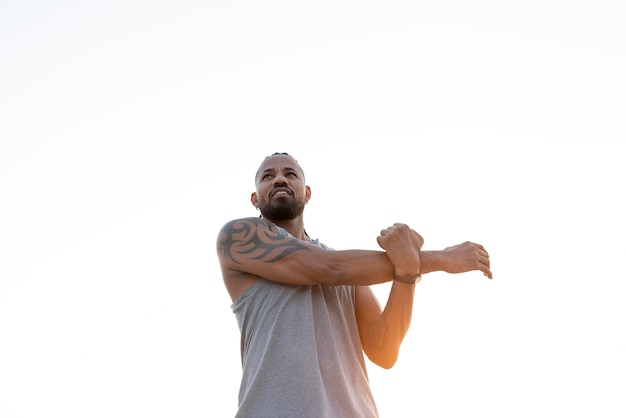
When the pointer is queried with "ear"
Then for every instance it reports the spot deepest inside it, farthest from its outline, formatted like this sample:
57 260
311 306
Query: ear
253 200
307 194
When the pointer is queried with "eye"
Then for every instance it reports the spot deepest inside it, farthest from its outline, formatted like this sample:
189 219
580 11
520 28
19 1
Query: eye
293 175
267 176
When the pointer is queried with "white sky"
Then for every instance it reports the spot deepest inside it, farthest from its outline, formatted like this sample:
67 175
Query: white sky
130 133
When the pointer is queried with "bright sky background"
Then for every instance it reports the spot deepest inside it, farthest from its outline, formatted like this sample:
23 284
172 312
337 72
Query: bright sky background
130 133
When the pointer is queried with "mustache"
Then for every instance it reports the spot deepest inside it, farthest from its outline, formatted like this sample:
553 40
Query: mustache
281 189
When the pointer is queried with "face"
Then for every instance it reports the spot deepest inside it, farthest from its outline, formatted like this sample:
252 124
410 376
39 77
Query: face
280 189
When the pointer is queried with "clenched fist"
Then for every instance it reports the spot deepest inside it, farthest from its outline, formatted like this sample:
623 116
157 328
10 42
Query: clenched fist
402 245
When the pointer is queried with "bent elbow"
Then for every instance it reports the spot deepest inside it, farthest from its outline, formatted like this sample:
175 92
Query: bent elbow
384 360
388 363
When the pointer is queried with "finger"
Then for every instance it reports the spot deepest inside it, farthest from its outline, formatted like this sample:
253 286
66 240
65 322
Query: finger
485 267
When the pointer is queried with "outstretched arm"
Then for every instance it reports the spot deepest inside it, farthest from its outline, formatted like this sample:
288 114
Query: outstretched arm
250 248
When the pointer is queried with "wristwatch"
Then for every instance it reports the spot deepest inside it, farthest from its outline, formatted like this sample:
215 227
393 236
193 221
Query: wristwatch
408 280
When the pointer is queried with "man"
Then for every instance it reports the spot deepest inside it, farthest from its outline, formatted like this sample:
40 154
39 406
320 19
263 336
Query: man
306 313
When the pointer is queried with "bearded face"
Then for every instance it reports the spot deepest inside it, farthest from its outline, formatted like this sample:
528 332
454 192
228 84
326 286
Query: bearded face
280 189
281 208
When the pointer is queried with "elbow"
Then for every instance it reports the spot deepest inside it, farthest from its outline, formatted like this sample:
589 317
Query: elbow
385 360
321 274
387 363
332 276
382 350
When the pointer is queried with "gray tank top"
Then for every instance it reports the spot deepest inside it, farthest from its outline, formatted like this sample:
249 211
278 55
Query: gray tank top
301 353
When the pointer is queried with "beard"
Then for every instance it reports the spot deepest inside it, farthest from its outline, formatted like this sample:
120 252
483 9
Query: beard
281 210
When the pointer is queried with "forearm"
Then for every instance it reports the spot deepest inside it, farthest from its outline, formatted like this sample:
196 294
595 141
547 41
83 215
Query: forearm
459 258
360 268
392 325
431 261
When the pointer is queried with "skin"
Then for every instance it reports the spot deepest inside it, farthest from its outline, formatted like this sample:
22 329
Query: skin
251 248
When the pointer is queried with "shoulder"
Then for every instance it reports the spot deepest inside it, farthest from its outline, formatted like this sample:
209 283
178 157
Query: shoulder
254 238
250 248
245 223
242 228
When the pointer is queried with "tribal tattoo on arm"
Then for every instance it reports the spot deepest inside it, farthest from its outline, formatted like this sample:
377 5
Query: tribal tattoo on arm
256 239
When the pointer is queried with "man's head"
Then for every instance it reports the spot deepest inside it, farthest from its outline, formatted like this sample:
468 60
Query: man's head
281 192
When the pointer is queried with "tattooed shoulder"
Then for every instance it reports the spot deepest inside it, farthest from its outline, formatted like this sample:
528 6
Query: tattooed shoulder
256 239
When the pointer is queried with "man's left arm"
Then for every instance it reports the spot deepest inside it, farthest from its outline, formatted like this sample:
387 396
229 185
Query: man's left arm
382 331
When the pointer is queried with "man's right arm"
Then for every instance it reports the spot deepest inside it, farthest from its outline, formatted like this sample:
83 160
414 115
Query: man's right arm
250 248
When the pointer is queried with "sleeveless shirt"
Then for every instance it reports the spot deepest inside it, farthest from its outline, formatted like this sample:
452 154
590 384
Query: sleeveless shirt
301 353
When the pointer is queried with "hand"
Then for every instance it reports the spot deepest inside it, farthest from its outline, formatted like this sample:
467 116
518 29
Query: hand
402 245
467 257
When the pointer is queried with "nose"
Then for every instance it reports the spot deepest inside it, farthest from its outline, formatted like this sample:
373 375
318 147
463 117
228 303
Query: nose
280 179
